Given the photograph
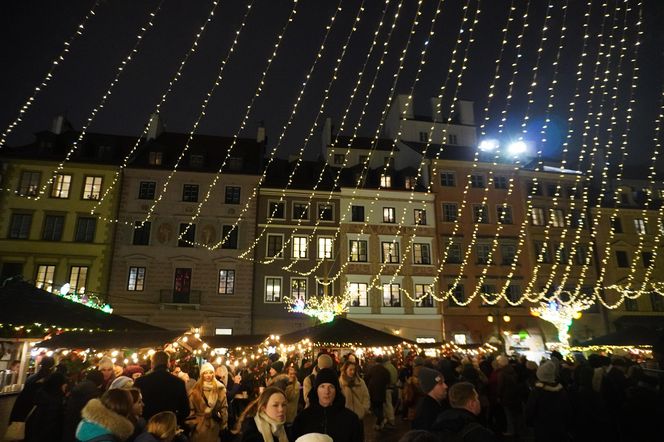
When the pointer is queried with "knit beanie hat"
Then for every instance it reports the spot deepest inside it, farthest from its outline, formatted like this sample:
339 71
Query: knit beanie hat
123 382
428 378
327 376
324 361
314 437
278 366
207 367
547 372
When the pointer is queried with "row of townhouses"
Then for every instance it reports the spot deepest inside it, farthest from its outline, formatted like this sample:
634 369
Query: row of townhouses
155 230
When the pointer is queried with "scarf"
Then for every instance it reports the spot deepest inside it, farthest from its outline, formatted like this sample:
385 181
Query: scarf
351 382
269 428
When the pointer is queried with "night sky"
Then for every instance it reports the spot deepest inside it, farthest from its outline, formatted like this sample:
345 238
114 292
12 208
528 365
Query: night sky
33 33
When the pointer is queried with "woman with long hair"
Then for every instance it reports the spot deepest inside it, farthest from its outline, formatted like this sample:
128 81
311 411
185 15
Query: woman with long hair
162 427
263 420
292 392
354 390
209 406
107 418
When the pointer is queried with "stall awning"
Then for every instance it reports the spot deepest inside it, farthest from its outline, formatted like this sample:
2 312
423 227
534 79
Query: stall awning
22 305
629 336
107 340
653 322
229 341
342 332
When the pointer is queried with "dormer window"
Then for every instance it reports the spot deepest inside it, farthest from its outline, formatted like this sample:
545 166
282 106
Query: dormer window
235 163
338 159
156 158
410 182
196 160
385 181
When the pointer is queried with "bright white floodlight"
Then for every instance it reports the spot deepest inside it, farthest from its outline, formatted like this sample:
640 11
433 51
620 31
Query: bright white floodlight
517 148
488 145
65 288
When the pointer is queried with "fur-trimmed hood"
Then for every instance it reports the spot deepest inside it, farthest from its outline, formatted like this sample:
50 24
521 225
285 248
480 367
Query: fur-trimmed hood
549 387
96 413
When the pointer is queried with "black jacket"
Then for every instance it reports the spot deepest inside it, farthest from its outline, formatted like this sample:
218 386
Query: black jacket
79 396
548 411
250 432
163 391
28 396
461 423
426 413
45 422
336 421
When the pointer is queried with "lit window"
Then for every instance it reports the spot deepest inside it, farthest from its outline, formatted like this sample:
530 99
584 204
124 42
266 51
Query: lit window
61 186
423 295
136 279
640 226
537 216
410 182
385 181
92 188
44 279
391 295
557 217
226 282
358 292
299 288
272 289
29 184
390 252
155 158
389 215
358 250
324 248
421 253
420 217
77 279
300 245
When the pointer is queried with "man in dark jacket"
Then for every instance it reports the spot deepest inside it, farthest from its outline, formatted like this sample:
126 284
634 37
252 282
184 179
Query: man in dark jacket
431 405
327 412
163 391
378 379
460 422
26 400
88 388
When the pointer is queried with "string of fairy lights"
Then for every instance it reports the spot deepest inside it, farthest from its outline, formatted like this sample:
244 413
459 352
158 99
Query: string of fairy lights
601 121
43 84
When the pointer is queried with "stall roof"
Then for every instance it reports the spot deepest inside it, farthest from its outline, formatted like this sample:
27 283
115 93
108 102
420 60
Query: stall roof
342 331
107 340
228 341
628 336
22 304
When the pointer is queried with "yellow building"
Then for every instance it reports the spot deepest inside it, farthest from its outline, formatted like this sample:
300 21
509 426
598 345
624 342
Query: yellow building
56 224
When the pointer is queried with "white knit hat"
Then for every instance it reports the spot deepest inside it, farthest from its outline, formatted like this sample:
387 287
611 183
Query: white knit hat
207 367
314 437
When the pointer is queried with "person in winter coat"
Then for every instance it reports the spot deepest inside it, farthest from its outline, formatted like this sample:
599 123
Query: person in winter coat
504 395
431 405
548 408
27 398
323 361
277 378
292 392
209 406
107 419
162 427
45 422
354 390
263 420
327 412
460 422
163 391
378 379
106 366
88 388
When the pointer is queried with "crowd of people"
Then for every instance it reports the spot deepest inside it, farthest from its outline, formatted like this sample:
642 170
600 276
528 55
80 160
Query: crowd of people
451 398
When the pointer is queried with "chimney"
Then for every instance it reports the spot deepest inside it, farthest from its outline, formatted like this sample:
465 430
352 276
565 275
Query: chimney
405 106
58 123
327 134
155 128
436 111
260 133
466 112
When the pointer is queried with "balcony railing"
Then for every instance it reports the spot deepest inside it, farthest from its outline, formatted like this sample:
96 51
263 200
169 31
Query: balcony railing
190 300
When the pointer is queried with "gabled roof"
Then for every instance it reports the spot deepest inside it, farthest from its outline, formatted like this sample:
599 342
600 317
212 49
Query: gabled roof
442 151
107 340
305 177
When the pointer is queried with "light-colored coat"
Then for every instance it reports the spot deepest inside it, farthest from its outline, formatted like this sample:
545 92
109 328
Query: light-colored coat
207 429
292 393
357 396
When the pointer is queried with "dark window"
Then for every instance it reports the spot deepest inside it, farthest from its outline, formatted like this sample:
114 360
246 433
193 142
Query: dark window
581 254
187 235
53 225
226 282
657 302
142 233
483 253
621 258
190 193
423 295
421 253
357 214
535 188
452 139
358 250
338 158
450 212
551 189
447 179
480 214
458 295
229 235
274 246
542 254
275 209
235 163
454 254
300 211
29 184
578 219
182 286
513 293
477 181
364 159
196 160
500 182
647 258
136 279
509 253
232 195
424 137
420 217
631 305
325 212
146 190
20 226
85 230
504 214
616 225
